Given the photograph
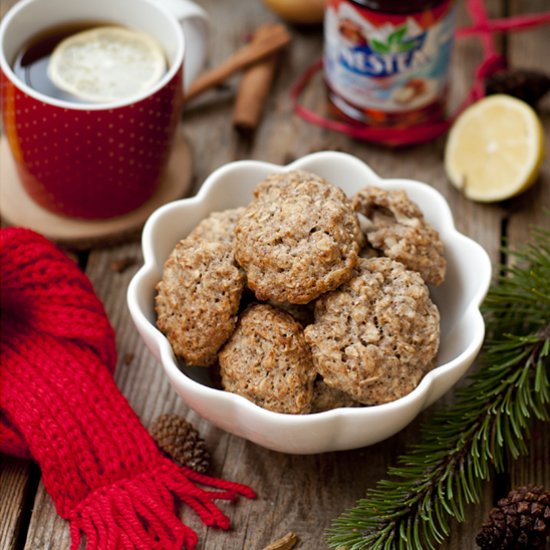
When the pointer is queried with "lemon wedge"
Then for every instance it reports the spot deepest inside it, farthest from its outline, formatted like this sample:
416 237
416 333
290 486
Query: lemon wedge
106 64
495 149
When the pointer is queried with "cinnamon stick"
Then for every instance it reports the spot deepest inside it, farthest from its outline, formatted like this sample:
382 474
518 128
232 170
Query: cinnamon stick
252 52
254 86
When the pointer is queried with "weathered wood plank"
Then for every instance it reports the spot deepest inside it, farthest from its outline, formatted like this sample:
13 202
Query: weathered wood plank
526 51
532 208
17 487
47 530
16 483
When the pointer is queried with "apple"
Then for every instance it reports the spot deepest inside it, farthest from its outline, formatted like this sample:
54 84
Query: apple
298 11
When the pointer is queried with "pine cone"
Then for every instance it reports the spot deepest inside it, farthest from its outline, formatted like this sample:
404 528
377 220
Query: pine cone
525 84
520 520
180 441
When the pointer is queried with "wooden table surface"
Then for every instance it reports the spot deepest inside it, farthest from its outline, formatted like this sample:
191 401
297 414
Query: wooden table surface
296 493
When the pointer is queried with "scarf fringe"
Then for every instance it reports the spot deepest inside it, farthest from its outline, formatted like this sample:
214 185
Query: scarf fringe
141 512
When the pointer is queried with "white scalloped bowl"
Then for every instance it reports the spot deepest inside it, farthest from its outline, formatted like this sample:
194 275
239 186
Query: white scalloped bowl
458 299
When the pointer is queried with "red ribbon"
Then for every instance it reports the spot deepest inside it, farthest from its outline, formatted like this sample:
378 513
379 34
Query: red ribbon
491 62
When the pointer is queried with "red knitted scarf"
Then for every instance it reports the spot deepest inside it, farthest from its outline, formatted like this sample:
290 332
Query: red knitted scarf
60 405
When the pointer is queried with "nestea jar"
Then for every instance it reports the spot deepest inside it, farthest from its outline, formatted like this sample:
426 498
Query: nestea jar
386 61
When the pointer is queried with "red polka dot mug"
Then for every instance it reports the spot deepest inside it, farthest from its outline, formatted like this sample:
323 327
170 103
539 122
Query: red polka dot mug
98 160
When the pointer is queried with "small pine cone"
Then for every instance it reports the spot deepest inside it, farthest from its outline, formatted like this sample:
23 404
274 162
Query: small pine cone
180 441
520 520
525 84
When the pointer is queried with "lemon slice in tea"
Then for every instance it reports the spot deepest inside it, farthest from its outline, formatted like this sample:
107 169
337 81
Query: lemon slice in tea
107 64
494 149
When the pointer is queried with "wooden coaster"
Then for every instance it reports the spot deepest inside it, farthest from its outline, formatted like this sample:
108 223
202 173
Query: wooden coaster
17 208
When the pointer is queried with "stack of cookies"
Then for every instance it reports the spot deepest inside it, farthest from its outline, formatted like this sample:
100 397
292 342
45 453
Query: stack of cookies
307 300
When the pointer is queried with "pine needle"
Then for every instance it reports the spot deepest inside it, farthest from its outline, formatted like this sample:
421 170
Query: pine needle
463 445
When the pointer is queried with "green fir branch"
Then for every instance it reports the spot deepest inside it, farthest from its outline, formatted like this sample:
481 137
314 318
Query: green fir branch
464 444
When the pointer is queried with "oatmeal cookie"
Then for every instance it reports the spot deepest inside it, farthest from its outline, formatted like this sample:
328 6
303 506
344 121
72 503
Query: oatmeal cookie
275 184
268 361
395 225
218 226
326 398
297 239
198 299
377 335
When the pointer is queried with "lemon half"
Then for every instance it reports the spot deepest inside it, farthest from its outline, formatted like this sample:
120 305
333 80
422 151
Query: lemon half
495 149
107 64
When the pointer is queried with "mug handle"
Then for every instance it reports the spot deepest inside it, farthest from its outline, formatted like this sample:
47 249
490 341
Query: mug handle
196 27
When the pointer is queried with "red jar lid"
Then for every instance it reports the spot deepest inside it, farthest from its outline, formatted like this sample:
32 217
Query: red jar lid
398 6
